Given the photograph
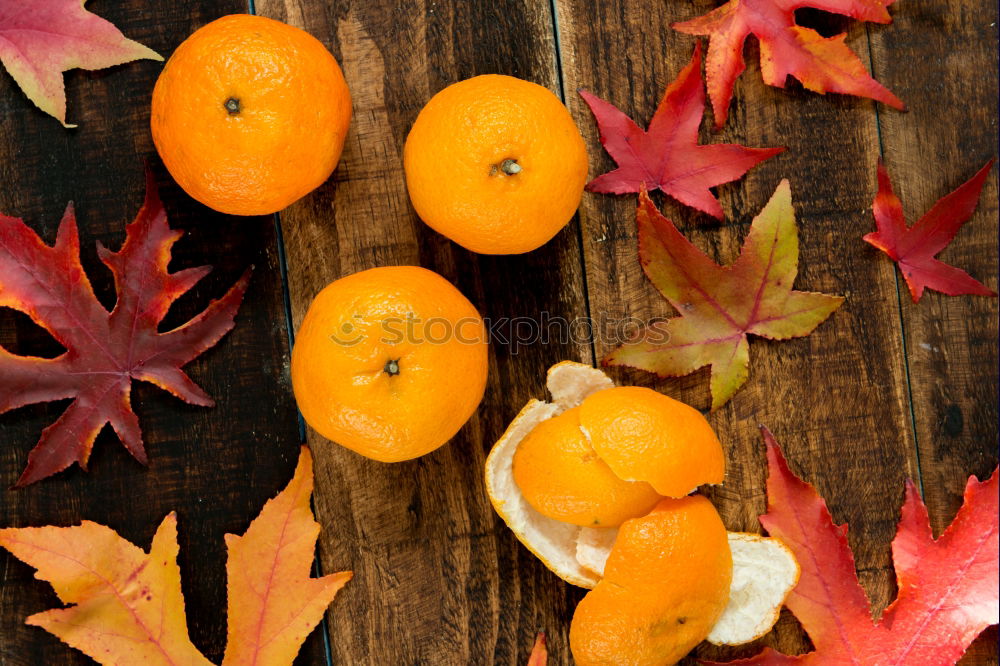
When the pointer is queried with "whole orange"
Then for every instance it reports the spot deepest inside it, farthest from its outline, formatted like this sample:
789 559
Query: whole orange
250 114
496 164
390 362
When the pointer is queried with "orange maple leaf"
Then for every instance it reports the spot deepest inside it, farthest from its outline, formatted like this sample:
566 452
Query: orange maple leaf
127 606
539 653
821 64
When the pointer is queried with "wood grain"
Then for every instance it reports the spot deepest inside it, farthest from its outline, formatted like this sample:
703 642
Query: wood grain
215 467
881 391
438 579
941 59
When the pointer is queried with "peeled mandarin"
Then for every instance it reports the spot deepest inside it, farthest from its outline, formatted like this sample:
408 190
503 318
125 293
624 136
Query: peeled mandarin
644 435
562 477
665 585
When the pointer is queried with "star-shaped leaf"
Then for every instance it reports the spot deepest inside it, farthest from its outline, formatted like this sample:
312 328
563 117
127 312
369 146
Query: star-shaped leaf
125 607
667 156
105 350
41 39
947 586
913 248
821 64
721 305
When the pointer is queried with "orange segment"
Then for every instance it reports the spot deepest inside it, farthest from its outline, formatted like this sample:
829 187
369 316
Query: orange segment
390 362
665 585
562 477
645 436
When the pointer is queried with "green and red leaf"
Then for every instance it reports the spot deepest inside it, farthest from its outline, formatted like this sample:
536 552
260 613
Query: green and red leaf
720 306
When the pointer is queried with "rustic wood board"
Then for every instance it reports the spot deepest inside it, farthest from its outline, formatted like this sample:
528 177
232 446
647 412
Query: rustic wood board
882 391
215 467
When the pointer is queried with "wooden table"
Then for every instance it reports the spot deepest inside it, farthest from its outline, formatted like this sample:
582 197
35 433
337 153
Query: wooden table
882 391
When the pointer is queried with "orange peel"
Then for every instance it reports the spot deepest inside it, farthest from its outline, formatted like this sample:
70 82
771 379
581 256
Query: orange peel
764 569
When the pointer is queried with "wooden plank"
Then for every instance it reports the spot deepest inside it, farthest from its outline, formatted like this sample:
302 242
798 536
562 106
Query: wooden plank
940 58
438 578
215 467
837 400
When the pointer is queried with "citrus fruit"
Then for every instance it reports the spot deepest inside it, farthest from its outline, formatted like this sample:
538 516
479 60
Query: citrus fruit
389 362
644 435
496 164
764 569
665 586
562 477
250 114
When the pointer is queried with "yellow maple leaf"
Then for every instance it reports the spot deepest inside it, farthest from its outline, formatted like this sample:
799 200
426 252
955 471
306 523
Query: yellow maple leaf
127 606
273 603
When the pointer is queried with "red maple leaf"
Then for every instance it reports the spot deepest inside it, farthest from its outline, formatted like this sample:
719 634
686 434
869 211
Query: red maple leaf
40 39
667 155
913 248
947 587
104 351
821 64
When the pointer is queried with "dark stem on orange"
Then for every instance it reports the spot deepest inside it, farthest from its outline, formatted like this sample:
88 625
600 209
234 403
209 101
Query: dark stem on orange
510 167
392 367
232 106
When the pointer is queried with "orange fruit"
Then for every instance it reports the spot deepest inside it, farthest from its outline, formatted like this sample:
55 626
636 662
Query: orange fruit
562 477
389 362
250 114
496 164
644 435
665 585
645 555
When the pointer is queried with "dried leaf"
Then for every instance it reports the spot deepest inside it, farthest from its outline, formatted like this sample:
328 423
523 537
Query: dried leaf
104 351
267 622
128 609
721 305
41 39
821 64
127 604
948 587
913 248
667 155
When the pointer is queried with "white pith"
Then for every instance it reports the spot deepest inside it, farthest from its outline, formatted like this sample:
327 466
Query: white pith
764 570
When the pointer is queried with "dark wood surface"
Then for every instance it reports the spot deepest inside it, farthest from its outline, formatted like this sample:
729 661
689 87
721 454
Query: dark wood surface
883 390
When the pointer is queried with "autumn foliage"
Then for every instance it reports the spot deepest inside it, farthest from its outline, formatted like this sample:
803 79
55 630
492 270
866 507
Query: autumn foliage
914 248
721 306
821 64
125 606
105 351
948 587
667 156
41 39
